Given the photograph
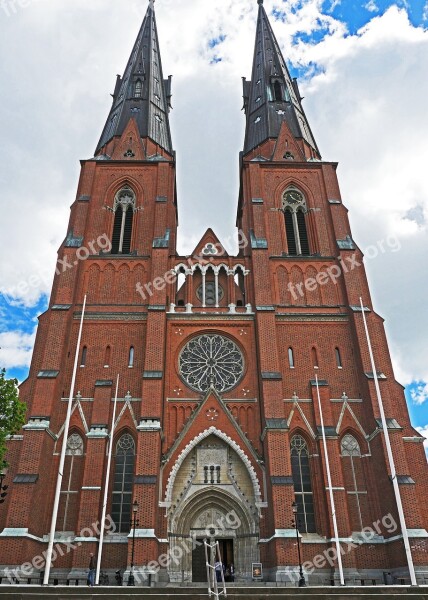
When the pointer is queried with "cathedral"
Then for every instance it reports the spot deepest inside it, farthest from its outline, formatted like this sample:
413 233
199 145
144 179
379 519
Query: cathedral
218 431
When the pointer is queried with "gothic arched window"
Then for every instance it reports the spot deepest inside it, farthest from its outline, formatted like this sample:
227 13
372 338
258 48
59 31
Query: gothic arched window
356 489
338 358
302 485
294 208
131 357
107 357
124 208
314 355
277 91
84 356
123 483
138 89
291 358
71 483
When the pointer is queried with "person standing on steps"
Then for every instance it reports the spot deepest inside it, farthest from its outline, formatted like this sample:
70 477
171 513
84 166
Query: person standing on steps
91 574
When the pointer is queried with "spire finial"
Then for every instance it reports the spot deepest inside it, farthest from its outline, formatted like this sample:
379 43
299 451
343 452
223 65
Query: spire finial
152 4
259 1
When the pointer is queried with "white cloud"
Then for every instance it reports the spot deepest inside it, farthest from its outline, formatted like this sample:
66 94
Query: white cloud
371 6
425 12
16 349
424 431
367 110
420 394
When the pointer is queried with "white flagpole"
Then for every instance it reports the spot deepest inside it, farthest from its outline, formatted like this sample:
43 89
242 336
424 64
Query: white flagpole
390 457
62 457
330 489
103 517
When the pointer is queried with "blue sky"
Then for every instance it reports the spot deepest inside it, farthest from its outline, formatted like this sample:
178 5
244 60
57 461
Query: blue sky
334 47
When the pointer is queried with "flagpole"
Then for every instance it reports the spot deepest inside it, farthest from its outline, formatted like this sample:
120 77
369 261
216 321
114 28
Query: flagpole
330 489
390 457
62 457
103 517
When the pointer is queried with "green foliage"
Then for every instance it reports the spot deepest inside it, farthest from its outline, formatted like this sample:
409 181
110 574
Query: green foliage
12 412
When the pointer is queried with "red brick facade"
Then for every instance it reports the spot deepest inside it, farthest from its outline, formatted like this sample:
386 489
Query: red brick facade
263 312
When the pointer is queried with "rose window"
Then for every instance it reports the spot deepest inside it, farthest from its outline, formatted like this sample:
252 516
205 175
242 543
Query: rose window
211 360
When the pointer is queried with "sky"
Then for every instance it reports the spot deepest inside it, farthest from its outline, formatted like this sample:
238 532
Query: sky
362 67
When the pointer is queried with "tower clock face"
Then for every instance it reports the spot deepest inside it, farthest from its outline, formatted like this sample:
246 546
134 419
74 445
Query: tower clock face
293 197
211 359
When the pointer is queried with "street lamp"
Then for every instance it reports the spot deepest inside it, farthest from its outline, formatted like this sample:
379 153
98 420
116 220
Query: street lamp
302 582
134 523
3 488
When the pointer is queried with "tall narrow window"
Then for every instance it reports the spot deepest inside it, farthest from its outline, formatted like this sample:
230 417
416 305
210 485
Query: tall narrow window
302 485
84 356
71 483
303 234
123 483
277 91
314 354
356 489
124 208
291 236
338 358
138 89
107 357
294 207
291 358
131 357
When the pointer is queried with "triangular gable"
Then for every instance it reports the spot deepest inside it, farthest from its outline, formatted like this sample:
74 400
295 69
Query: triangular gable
209 238
130 146
298 418
212 411
287 145
348 419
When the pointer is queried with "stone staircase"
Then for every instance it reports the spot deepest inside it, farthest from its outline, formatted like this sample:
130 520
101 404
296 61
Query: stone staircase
200 593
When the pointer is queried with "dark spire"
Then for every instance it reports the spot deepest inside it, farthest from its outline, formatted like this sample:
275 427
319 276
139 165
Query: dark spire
271 96
142 93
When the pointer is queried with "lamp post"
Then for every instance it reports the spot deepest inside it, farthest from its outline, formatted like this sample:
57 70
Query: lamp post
3 488
134 523
302 582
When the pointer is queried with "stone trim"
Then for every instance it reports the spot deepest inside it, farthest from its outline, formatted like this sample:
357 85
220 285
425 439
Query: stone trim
199 438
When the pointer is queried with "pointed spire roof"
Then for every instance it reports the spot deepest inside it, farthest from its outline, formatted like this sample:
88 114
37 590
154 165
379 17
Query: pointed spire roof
272 96
142 93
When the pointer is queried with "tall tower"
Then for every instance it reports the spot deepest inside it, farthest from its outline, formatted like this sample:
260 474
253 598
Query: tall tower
307 279
218 429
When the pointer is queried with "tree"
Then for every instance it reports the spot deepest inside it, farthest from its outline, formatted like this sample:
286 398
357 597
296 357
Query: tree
12 413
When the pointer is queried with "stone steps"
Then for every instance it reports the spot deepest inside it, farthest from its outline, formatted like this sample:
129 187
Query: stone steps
255 593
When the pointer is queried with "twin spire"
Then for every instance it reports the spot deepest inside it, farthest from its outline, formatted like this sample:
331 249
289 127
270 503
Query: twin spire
142 93
270 98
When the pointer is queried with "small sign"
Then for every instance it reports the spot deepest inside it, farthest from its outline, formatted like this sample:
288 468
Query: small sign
257 571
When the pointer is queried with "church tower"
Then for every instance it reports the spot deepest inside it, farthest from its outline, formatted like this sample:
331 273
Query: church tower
218 430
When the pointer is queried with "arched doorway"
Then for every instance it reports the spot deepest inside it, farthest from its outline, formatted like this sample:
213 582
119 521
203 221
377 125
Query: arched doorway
213 497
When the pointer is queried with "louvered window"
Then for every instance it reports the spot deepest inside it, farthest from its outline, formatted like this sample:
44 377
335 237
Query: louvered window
303 234
124 207
294 207
277 91
289 229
